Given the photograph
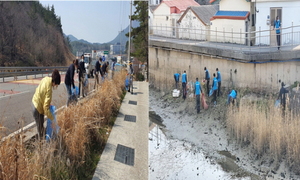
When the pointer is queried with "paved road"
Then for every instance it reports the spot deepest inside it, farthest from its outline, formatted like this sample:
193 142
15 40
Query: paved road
15 101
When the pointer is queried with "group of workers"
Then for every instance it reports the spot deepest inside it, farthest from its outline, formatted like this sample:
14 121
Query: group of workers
216 89
43 94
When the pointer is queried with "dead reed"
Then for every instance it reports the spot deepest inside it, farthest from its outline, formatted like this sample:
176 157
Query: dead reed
268 130
79 126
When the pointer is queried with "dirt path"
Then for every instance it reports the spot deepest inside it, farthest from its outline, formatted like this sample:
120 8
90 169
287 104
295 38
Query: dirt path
207 133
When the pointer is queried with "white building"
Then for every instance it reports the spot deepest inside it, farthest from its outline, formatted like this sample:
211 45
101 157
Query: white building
195 22
266 12
233 22
166 15
154 2
150 20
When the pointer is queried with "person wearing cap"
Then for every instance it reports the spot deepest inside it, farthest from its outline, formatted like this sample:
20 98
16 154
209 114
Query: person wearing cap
219 78
215 89
69 79
97 71
184 81
282 96
207 79
176 77
197 91
41 101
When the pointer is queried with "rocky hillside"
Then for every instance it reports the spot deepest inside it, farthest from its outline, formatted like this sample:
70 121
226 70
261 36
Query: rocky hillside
31 35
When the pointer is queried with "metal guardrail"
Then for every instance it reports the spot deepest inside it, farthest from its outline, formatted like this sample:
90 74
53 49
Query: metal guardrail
25 71
261 40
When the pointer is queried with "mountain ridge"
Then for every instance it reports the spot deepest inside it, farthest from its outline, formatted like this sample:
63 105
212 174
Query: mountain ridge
117 39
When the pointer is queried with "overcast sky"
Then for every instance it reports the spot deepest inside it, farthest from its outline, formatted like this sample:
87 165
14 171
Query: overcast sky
93 21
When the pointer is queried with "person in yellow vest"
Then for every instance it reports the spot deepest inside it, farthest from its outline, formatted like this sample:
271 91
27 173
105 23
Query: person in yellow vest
41 101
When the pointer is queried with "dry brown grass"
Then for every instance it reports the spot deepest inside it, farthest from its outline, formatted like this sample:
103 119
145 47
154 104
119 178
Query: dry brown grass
79 125
268 130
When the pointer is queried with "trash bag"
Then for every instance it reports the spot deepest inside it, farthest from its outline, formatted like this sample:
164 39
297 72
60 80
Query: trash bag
127 84
52 128
75 91
203 101
74 97
277 103
211 91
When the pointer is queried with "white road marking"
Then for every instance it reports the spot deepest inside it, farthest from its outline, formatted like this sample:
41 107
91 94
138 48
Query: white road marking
9 95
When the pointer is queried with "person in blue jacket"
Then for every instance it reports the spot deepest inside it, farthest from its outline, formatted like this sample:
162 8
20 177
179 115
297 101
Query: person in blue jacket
215 88
277 26
231 96
176 77
197 91
207 79
184 81
219 78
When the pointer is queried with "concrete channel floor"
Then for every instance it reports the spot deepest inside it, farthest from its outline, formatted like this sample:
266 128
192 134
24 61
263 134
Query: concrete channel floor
126 153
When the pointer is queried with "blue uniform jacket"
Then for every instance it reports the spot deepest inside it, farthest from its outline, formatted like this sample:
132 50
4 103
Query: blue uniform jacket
277 25
219 78
197 88
183 78
233 94
215 84
176 76
207 76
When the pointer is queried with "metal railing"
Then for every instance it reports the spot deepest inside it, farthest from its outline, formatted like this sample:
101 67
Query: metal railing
26 71
246 41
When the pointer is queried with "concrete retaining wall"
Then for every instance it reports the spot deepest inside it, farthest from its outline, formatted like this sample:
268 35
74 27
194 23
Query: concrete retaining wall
164 63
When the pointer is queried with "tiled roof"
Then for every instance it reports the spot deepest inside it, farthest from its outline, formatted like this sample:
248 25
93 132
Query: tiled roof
231 15
152 7
182 5
203 13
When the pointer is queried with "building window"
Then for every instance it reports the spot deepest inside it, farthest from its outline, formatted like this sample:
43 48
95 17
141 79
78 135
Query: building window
194 17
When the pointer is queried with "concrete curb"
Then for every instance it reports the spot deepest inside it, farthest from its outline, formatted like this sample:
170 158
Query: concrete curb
130 134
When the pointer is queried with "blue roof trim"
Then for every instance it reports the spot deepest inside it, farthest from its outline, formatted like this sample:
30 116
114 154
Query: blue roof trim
232 13
218 1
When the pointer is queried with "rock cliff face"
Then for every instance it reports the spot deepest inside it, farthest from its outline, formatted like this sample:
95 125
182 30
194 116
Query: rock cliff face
31 35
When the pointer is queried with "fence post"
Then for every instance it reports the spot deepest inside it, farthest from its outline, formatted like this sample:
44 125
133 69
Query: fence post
231 35
292 34
259 43
241 39
161 29
259 36
223 35
241 36
216 35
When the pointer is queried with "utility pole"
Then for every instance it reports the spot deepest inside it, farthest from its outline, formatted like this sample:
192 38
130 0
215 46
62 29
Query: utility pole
129 44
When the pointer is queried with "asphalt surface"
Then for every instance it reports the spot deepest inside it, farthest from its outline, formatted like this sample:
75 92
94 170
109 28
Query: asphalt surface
15 101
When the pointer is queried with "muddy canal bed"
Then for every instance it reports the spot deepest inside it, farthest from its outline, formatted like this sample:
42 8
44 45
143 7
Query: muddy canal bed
187 145
176 159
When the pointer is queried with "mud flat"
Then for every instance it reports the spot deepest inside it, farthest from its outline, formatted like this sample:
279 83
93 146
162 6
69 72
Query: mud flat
187 145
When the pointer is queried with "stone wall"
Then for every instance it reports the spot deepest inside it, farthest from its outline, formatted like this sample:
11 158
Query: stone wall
164 63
